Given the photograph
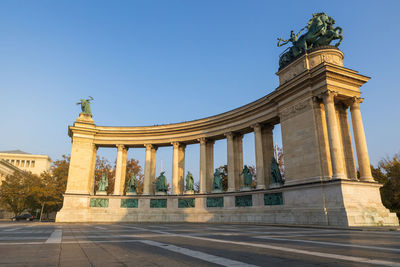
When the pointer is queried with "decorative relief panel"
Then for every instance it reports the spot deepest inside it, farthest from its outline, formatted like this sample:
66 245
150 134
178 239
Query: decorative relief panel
273 199
244 201
129 203
99 202
294 110
186 203
158 203
214 202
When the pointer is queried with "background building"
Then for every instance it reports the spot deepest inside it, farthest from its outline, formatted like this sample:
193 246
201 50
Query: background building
26 161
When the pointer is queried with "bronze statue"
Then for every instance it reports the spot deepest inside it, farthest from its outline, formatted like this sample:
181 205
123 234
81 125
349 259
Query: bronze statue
161 183
217 185
189 182
320 32
132 184
247 176
103 183
276 177
85 105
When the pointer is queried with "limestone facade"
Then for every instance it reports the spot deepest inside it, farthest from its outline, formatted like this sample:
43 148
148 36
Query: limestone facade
311 103
27 162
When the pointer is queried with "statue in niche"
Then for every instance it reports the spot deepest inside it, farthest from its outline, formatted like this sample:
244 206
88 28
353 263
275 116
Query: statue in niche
276 177
161 183
132 184
247 176
103 183
217 184
189 182
85 105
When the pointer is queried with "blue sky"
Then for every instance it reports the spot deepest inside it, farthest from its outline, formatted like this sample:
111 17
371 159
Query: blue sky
155 62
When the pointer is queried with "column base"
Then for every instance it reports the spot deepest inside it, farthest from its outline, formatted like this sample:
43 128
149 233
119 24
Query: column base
261 186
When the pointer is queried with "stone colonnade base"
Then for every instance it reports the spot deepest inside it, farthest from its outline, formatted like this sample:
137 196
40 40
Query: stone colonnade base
349 203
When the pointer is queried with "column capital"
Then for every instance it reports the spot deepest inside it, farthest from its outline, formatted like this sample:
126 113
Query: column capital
202 140
121 147
150 146
329 95
256 126
175 144
355 102
229 134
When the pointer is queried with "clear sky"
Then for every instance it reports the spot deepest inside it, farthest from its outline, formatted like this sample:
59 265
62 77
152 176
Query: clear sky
156 62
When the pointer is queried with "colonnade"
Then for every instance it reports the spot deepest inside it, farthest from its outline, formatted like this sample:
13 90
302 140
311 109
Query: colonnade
263 148
339 136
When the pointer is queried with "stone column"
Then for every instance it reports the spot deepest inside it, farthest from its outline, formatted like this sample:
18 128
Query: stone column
206 165
333 135
92 170
268 150
260 168
149 169
350 165
235 160
231 162
238 139
209 164
178 168
360 141
120 170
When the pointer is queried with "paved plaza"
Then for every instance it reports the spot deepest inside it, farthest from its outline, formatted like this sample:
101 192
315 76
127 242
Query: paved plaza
48 244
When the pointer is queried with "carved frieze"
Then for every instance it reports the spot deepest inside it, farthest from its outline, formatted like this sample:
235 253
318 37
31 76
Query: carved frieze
294 110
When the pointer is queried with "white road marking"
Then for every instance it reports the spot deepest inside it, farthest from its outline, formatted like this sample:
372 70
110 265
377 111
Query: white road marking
55 237
101 228
12 229
328 243
196 254
292 250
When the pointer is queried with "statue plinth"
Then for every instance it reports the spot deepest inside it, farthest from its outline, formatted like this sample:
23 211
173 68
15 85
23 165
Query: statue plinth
131 193
275 185
101 193
160 193
85 118
309 60
245 188
217 191
189 192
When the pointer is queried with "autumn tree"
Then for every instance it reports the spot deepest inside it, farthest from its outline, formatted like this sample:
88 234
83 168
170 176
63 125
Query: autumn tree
16 192
133 167
388 173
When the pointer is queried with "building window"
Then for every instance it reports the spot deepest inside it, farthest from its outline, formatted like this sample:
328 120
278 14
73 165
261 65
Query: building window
22 163
27 163
7 160
33 164
17 163
12 162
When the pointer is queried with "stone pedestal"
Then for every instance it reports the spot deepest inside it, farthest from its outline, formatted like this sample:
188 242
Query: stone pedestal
161 193
131 193
189 192
245 188
101 193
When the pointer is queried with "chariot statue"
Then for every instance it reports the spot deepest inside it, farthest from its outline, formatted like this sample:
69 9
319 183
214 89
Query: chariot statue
161 183
320 32
85 105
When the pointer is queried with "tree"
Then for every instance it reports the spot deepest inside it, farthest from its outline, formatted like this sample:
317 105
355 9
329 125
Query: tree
133 167
16 192
388 173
